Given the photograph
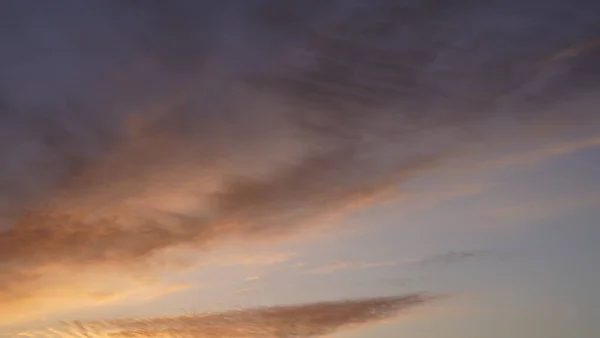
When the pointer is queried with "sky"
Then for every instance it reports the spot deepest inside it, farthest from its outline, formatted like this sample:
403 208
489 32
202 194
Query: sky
337 168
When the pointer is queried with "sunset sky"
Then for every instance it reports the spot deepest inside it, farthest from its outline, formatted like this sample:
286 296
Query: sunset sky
339 168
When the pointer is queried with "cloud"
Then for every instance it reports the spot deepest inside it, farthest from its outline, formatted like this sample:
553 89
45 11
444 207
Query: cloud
542 152
445 258
243 291
297 265
348 265
132 129
61 290
515 211
249 257
304 320
451 257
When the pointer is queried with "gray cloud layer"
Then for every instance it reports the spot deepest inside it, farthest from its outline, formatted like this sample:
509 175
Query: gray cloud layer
129 127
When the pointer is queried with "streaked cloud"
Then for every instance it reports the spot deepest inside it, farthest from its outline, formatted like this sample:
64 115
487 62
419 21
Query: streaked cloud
62 290
243 291
297 265
248 257
134 130
451 257
518 210
349 265
541 152
302 320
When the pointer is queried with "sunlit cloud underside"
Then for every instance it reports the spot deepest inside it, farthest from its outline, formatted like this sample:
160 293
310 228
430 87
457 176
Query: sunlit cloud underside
305 320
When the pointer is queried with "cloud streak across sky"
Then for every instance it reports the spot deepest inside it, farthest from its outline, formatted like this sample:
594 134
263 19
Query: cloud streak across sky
303 320
348 265
133 128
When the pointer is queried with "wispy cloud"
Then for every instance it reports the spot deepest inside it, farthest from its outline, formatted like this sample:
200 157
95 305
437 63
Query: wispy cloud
303 320
63 290
349 265
248 257
518 210
131 130
243 291
541 152
451 257
297 265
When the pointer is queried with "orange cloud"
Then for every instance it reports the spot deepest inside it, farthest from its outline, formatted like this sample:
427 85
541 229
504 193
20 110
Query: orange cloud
63 234
304 320
56 288
72 233
244 149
